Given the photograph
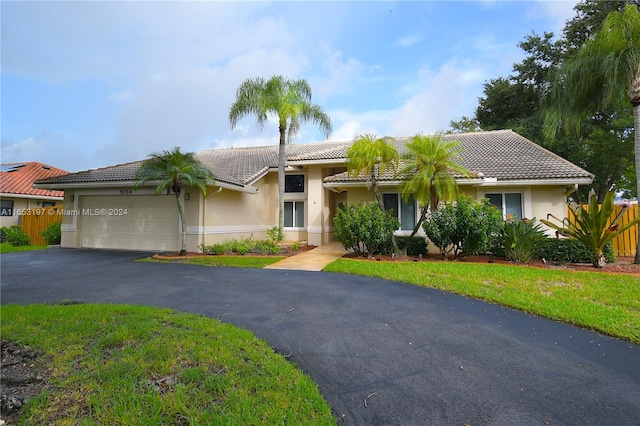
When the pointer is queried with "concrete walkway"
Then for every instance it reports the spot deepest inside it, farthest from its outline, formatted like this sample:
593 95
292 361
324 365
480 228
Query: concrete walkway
312 260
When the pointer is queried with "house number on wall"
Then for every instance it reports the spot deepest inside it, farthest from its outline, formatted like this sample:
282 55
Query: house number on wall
125 192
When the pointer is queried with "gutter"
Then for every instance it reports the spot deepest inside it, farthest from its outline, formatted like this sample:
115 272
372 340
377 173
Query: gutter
129 183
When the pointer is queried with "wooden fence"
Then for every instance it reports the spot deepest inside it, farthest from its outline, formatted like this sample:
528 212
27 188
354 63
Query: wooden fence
36 220
626 243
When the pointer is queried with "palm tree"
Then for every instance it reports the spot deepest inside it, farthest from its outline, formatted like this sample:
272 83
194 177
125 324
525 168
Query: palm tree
604 72
290 101
428 172
372 156
170 171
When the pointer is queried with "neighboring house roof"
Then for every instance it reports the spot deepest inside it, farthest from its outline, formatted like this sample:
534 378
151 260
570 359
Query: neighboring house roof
16 179
501 155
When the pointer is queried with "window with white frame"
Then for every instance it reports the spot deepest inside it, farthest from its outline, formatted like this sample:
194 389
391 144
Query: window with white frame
295 197
294 214
509 203
404 211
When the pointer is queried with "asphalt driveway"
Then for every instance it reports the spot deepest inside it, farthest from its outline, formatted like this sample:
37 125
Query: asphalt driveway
381 352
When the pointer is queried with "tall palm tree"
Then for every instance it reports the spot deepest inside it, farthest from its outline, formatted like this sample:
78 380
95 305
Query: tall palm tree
170 171
604 72
372 156
428 172
288 100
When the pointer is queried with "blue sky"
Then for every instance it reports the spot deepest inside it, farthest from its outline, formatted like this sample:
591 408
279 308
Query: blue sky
92 84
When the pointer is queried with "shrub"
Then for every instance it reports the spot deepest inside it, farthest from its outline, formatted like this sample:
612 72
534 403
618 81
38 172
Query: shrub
567 250
593 225
275 234
53 233
266 247
16 236
466 227
295 246
3 235
519 239
413 245
365 228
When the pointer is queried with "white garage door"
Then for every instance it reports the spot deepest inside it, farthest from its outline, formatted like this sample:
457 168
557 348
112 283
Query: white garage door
135 222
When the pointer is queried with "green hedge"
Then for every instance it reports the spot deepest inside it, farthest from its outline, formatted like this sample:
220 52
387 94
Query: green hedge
567 250
413 245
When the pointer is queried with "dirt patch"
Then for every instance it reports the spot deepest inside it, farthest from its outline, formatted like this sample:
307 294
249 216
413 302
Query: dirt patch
25 373
285 250
623 265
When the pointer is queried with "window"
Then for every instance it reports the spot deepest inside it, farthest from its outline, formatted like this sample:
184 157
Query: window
294 183
407 210
48 203
509 203
6 207
294 214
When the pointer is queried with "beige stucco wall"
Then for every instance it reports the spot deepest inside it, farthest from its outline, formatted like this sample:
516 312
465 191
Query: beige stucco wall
23 204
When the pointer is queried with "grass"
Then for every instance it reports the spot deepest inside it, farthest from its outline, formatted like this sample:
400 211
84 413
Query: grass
8 248
608 303
117 364
219 260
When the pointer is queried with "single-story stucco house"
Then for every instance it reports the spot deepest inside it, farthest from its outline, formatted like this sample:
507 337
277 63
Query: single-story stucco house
102 210
17 193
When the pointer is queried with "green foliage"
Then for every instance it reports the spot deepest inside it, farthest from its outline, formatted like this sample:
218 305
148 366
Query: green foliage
275 233
519 239
412 245
428 172
365 228
3 235
53 233
466 227
295 246
16 236
567 250
242 246
590 225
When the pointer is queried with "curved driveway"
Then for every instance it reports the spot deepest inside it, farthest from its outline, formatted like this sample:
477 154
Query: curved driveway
381 352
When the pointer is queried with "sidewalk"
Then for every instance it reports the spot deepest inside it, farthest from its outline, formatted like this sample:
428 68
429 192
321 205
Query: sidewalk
312 260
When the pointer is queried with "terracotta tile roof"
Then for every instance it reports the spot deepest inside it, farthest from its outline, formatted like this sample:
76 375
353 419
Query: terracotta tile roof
501 154
17 178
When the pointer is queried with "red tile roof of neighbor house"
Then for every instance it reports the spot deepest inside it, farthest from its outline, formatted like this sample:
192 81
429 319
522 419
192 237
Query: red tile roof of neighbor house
17 178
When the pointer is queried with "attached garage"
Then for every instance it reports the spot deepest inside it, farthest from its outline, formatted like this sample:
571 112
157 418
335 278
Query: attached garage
133 222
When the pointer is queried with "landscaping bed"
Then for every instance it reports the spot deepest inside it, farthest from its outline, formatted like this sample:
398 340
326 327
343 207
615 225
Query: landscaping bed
623 265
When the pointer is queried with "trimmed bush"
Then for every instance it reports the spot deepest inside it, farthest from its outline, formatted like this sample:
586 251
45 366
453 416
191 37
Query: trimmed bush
413 245
53 233
566 250
365 229
16 236
466 227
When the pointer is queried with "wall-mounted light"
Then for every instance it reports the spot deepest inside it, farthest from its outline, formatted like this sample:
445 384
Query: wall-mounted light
187 196
72 198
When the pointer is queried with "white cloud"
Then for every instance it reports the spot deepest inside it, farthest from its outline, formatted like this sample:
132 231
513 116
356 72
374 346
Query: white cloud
409 40
557 12
45 148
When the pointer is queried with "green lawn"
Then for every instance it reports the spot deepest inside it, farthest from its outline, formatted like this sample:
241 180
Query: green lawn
8 248
128 365
221 260
608 303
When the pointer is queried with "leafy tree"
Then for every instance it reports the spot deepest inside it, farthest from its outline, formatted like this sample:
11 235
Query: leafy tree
428 172
372 156
365 228
288 100
466 226
604 71
464 125
171 171
517 101
592 225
